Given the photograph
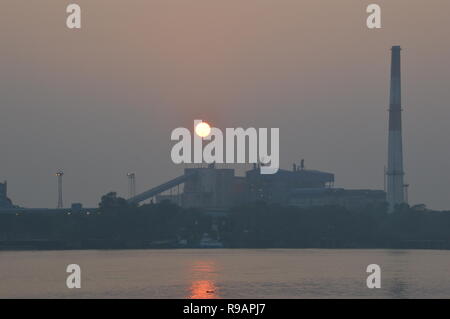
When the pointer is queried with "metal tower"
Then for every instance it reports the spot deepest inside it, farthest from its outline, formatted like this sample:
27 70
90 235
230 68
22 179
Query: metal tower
60 175
131 185
395 173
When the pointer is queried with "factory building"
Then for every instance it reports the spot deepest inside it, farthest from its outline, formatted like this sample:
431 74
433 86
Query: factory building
217 189
276 188
5 202
208 187
307 188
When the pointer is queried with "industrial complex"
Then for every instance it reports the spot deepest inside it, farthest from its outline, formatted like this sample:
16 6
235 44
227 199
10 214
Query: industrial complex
216 189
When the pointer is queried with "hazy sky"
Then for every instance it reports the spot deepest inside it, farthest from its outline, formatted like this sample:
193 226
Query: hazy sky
102 101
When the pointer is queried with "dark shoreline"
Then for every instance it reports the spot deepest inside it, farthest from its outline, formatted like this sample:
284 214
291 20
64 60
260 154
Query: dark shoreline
117 225
60 246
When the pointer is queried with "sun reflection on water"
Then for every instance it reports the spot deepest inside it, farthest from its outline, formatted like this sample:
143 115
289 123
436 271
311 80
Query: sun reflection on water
203 285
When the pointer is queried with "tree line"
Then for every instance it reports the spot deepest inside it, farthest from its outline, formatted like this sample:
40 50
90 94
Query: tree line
118 224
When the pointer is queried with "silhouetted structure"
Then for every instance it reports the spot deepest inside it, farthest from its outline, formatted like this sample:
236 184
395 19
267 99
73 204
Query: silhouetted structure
395 173
5 202
131 185
217 189
60 175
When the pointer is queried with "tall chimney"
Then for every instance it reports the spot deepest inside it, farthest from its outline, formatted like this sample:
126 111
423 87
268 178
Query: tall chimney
395 173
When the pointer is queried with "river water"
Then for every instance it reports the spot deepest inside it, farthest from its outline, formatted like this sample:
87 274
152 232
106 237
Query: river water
226 273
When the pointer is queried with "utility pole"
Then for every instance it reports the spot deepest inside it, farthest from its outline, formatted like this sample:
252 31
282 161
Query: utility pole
131 185
60 175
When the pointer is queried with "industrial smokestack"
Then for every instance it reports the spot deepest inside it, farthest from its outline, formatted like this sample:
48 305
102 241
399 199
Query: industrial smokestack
395 173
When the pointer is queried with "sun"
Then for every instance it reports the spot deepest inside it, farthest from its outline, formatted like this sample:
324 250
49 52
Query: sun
203 129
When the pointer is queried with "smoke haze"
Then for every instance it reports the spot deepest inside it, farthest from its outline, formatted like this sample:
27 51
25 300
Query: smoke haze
101 101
